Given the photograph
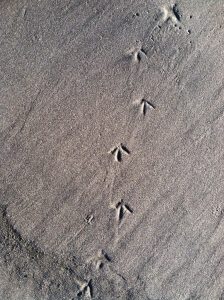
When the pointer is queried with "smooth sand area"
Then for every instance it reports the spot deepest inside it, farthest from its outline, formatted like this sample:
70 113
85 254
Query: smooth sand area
111 150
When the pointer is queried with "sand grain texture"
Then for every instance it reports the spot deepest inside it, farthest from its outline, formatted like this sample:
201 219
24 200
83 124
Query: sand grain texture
111 150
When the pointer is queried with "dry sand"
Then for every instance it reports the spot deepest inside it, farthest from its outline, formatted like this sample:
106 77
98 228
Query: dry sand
111 149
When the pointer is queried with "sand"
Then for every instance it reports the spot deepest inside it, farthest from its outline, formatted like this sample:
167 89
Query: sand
111 150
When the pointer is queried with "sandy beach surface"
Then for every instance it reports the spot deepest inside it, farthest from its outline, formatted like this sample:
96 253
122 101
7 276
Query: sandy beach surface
111 150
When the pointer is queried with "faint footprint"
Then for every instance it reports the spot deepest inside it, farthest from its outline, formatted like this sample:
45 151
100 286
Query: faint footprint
119 151
100 259
138 53
122 209
24 11
86 290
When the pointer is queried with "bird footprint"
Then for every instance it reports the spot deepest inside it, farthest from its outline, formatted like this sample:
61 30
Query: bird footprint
86 290
138 54
146 105
99 259
119 151
122 209
171 13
